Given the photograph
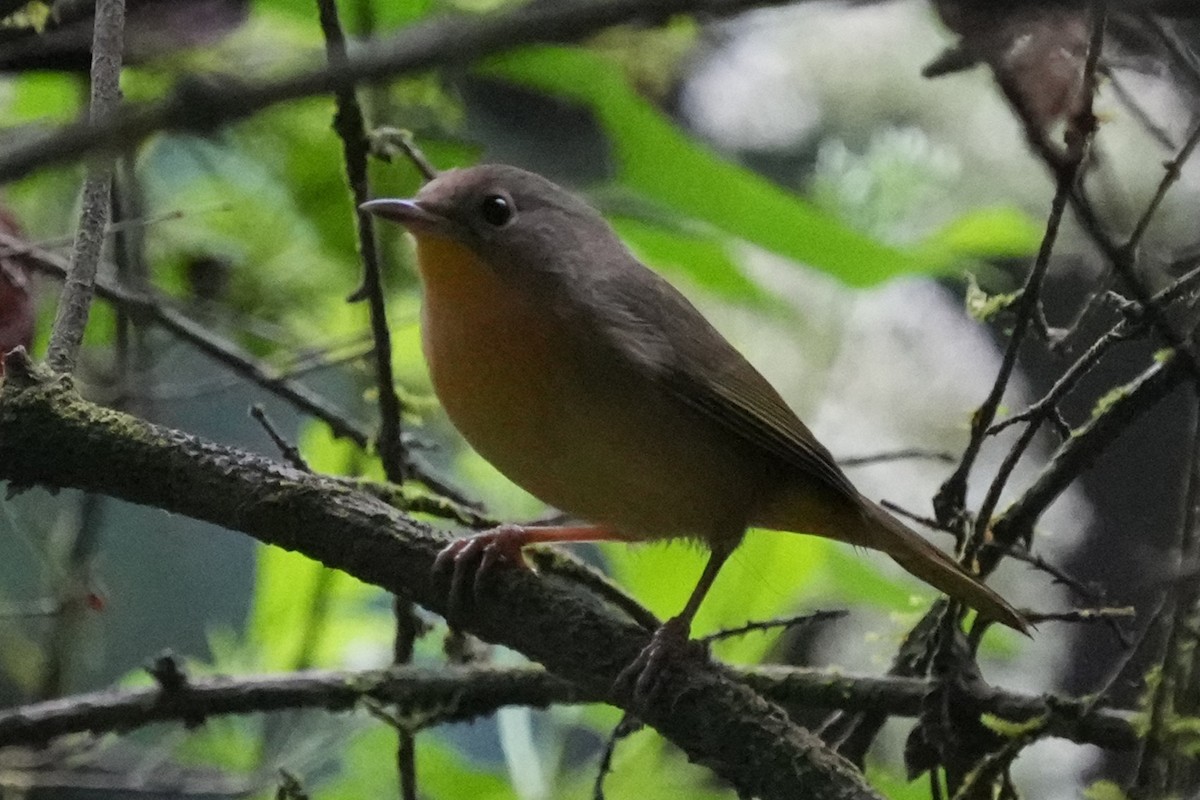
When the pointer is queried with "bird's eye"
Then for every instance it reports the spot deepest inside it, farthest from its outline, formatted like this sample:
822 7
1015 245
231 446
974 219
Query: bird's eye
496 210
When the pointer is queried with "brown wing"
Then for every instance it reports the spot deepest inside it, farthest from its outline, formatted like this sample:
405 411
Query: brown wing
690 359
745 403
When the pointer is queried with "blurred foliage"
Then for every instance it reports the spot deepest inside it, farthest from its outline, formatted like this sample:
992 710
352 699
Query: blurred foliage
267 201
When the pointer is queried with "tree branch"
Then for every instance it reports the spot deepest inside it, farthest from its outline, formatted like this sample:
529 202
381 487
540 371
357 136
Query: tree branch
76 299
204 104
50 436
460 693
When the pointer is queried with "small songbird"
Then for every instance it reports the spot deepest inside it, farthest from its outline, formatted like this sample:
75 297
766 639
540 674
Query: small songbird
595 385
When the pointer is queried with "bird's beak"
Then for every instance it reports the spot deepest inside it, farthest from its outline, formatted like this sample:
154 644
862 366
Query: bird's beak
409 213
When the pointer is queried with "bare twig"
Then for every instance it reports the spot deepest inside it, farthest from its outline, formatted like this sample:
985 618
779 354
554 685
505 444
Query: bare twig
1156 763
1172 171
768 624
950 499
352 130
291 454
1046 408
385 141
1118 669
912 453
1087 593
627 726
1077 453
928 522
79 287
1082 615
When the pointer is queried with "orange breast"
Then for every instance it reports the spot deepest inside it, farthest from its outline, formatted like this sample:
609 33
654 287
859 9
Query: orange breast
606 445
496 363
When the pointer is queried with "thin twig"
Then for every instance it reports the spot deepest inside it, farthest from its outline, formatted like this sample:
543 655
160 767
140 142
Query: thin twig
627 726
800 620
1153 776
1093 702
1077 453
909 453
928 522
386 141
1172 171
79 287
1080 130
1083 615
1046 408
1181 53
351 128
291 454
1090 595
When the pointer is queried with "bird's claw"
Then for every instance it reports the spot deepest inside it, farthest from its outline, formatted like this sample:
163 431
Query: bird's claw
645 675
470 560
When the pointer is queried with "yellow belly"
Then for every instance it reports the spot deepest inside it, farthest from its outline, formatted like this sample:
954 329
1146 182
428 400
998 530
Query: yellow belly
609 449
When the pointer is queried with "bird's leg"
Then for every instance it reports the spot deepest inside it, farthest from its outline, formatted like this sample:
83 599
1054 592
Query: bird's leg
671 641
472 558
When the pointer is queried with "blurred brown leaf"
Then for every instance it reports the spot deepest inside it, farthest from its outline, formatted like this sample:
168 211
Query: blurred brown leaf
16 303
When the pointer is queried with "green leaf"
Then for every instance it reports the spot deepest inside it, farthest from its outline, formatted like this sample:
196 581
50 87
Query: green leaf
654 158
983 306
763 579
993 232
1105 790
643 766
703 259
44 97
288 625
445 773
1013 729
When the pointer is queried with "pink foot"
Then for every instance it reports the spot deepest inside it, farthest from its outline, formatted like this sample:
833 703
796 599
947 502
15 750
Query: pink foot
470 560
668 646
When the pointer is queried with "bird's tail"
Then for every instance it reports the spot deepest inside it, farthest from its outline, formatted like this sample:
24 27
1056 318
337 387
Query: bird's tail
939 570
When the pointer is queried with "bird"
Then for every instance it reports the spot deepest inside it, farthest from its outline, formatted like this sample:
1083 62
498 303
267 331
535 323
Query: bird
594 384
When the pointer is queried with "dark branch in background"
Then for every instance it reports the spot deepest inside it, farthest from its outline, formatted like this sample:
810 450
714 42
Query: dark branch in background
1076 454
1026 311
770 624
79 287
451 693
627 726
291 454
1123 258
716 720
1087 593
386 141
1159 768
205 104
1046 408
352 130
950 502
